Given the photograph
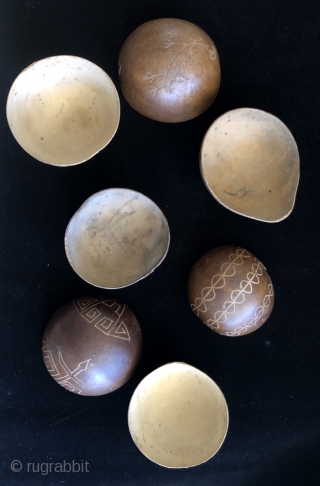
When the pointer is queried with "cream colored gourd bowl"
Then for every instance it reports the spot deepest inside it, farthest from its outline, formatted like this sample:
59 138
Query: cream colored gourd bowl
63 110
178 416
117 237
250 164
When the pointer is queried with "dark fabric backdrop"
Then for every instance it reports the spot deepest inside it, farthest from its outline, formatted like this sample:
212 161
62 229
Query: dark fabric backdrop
269 53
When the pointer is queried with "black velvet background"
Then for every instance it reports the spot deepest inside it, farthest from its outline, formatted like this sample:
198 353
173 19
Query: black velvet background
269 52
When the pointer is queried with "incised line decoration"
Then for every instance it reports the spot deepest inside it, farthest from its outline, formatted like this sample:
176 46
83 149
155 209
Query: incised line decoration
69 379
88 309
237 296
218 281
259 312
176 68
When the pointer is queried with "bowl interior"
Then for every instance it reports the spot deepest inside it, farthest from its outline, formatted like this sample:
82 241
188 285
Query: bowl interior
62 110
178 416
117 237
250 164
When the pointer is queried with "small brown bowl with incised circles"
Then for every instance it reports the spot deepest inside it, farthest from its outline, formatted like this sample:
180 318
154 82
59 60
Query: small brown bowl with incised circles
169 70
92 345
230 290
63 110
178 416
249 162
117 237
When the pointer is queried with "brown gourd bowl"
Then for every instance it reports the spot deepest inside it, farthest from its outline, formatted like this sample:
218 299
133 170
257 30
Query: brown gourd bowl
178 416
92 345
230 291
169 70
63 110
249 162
117 237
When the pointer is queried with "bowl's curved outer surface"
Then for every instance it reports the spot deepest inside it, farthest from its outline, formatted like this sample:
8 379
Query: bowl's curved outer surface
169 70
92 345
230 291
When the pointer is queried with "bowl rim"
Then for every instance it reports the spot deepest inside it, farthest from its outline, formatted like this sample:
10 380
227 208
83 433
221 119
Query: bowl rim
226 410
79 209
216 197
53 58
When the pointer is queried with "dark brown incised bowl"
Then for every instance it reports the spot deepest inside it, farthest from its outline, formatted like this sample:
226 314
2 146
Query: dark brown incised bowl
230 291
169 70
92 345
